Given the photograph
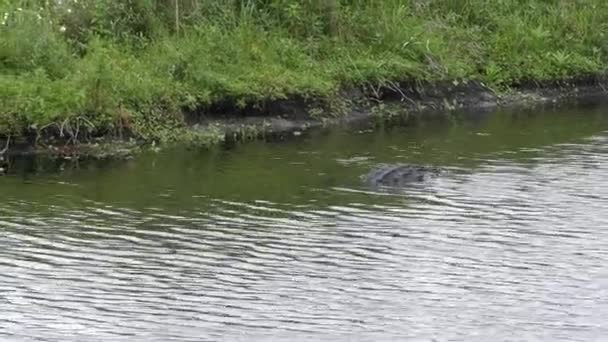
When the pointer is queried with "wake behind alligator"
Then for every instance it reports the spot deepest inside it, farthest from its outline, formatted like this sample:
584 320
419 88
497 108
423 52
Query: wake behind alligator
400 175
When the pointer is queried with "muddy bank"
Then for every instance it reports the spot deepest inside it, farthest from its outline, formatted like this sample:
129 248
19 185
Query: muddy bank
17 154
402 102
405 101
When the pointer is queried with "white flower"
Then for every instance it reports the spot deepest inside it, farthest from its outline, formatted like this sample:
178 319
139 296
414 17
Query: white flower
62 29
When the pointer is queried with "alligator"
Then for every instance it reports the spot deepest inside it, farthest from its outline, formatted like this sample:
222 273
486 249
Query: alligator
400 175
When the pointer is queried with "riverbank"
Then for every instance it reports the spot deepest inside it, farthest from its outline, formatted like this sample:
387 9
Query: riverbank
402 103
78 72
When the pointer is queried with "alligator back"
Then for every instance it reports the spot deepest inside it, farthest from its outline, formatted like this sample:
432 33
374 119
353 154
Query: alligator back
400 175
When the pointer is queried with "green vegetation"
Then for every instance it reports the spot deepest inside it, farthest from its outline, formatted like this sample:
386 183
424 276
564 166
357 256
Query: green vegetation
105 66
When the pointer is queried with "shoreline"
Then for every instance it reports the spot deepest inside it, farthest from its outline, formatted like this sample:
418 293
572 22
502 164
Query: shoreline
405 101
398 103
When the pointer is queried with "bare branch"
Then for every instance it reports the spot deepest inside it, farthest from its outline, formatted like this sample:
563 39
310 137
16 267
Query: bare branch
8 143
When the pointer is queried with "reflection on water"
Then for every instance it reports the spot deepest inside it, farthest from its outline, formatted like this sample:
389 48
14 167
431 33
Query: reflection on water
283 242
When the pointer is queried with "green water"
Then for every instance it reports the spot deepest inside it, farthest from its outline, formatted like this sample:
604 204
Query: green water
284 240
294 170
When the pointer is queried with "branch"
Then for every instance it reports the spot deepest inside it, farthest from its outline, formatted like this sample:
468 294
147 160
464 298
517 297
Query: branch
8 143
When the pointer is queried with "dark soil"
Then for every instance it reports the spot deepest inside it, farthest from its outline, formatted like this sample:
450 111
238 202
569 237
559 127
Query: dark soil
294 115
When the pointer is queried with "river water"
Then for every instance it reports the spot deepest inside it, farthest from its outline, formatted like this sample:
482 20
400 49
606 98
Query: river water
283 241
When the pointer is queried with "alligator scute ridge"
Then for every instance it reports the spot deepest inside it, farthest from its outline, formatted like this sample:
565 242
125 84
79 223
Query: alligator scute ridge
400 175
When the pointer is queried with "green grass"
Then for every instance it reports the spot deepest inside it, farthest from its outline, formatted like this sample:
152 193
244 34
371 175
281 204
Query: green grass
124 65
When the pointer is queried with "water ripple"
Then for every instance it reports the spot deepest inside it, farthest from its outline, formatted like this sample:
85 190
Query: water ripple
512 248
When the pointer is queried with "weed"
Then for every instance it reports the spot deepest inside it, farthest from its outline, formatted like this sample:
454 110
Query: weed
135 65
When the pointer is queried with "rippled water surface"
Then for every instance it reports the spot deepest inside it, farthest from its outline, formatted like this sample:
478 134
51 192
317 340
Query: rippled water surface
283 241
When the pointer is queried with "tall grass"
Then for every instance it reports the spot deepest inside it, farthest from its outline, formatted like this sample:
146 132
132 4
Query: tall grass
121 63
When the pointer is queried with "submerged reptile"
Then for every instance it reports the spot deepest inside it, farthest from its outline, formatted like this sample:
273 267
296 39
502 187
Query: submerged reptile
400 175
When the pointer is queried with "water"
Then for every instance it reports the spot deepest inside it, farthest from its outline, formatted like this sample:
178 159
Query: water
282 241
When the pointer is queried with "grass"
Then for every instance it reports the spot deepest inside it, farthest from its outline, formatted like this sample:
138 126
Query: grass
107 66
